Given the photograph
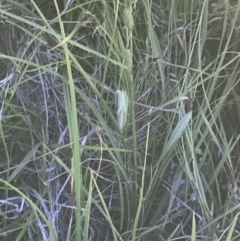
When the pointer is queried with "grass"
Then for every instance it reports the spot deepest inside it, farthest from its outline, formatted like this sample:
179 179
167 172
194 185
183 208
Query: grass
71 168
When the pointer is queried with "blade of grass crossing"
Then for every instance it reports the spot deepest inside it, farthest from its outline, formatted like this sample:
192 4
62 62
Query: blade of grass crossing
34 207
232 228
177 133
87 211
157 53
59 38
23 163
156 48
6 149
105 210
141 199
73 122
193 235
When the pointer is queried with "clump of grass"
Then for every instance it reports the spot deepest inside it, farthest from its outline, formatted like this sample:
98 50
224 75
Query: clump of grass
70 170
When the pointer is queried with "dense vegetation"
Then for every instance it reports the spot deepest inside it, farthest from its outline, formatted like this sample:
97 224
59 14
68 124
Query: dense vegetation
119 120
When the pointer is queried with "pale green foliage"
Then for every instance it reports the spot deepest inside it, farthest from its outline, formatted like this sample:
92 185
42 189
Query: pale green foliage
160 163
